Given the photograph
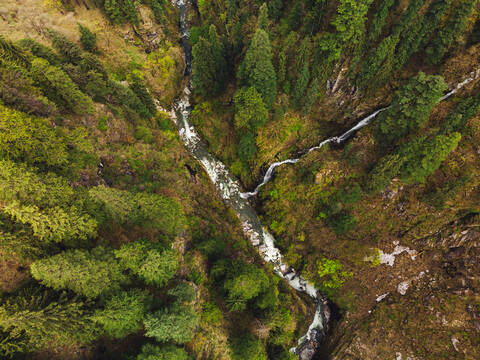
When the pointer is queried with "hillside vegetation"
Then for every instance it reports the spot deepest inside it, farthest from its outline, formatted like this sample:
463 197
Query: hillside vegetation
115 245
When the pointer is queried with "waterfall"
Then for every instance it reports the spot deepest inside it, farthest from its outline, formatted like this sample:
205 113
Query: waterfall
230 191
345 136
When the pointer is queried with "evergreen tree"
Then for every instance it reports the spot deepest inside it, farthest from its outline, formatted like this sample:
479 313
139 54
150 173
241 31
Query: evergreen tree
209 64
40 50
30 139
54 224
301 84
89 273
165 352
70 51
130 12
10 52
123 313
247 348
59 88
87 38
313 93
263 17
44 318
410 108
173 323
250 111
247 147
295 18
138 87
425 156
244 282
450 32
113 11
257 68
149 261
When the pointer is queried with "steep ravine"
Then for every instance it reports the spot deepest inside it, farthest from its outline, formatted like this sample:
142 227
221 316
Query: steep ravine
231 193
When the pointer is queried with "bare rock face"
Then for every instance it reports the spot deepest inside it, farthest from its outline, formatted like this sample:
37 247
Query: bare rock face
438 315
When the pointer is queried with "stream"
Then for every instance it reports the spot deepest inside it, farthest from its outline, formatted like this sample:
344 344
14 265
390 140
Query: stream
230 191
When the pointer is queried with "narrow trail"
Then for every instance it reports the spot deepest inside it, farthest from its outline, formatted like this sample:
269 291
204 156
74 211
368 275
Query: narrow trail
230 191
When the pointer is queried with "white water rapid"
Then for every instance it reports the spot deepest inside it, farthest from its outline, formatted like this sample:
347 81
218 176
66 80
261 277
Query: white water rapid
229 190
345 136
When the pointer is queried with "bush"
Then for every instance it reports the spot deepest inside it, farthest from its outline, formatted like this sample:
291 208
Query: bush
143 133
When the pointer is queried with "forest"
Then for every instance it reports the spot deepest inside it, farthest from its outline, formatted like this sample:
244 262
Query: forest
114 241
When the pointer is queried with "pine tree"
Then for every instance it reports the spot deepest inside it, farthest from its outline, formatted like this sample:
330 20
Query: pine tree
148 261
87 38
250 111
263 17
43 318
30 139
12 53
424 157
70 51
247 147
450 32
301 84
138 87
40 50
209 65
172 323
165 352
313 94
89 273
257 68
123 313
130 12
114 11
59 88
410 108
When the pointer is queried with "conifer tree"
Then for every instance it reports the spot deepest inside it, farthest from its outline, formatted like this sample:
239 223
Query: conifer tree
113 11
89 273
45 318
209 64
165 352
123 313
257 68
59 88
149 261
172 323
263 17
30 139
250 111
87 38
70 51
410 108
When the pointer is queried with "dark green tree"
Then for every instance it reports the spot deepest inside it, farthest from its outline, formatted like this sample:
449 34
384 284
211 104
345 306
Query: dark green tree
87 38
45 318
257 68
250 111
247 348
410 108
69 50
209 66
165 352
